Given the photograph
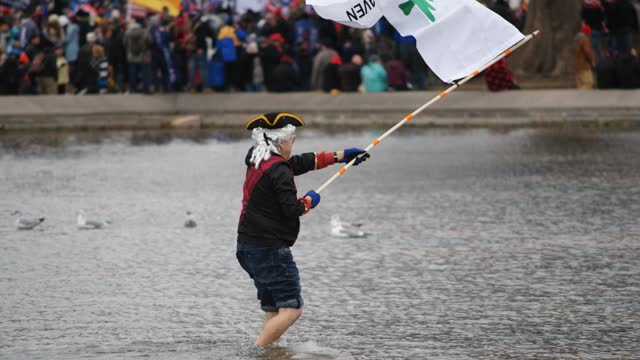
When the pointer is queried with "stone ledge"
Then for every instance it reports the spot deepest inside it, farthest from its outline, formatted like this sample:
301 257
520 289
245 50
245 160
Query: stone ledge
461 108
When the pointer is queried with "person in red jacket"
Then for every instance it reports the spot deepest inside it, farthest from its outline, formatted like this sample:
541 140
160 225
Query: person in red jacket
270 217
397 75
499 77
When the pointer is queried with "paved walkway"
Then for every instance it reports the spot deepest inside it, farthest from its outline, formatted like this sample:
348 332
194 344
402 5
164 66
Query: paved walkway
461 108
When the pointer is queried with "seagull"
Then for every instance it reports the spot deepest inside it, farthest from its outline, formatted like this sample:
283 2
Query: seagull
85 224
342 229
190 223
24 223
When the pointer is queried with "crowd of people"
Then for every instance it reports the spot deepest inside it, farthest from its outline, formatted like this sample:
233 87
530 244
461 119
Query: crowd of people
606 45
94 48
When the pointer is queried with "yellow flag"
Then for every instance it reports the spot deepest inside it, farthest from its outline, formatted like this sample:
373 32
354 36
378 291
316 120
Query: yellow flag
157 5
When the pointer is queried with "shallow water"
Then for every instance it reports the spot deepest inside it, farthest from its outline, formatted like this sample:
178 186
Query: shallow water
482 244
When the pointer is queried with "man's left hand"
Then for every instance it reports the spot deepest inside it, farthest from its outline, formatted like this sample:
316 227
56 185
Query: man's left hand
350 154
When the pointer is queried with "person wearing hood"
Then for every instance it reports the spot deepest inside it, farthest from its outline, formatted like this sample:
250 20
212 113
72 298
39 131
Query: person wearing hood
622 23
374 75
593 15
162 71
136 43
397 75
502 8
270 218
28 30
270 57
116 51
197 41
584 58
350 74
11 73
85 78
627 70
284 77
320 62
53 32
331 77
72 43
4 34
229 45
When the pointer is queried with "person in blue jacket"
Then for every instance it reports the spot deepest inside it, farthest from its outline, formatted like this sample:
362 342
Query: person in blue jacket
374 76
72 44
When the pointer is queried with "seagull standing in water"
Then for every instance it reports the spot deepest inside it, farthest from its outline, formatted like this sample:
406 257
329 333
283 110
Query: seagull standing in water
25 223
190 223
342 229
84 224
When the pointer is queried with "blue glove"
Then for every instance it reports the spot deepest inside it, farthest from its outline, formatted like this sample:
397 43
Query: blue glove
315 198
349 154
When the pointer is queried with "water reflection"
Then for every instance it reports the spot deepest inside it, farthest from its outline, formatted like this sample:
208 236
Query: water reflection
56 142
556 140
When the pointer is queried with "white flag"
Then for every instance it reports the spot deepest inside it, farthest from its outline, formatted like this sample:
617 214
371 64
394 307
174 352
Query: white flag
355 13
455 37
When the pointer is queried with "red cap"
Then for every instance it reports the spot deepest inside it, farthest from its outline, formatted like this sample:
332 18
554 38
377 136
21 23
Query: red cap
336 60
276 37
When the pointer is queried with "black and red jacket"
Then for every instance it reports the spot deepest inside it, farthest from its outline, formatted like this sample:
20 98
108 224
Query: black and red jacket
270 205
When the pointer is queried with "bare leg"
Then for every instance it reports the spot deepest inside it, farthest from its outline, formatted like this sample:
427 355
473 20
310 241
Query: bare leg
268 316
275 326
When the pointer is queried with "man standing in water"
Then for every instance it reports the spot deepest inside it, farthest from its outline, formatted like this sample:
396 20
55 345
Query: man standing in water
269 221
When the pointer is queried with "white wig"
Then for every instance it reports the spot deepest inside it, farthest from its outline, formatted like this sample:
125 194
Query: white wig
267 141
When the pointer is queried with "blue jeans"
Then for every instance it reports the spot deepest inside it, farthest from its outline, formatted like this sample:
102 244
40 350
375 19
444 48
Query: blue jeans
596 42
274 273
138 71
621 42
159 73
198 61
253 87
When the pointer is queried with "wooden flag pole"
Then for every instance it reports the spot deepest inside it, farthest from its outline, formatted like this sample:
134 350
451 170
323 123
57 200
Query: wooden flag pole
431 102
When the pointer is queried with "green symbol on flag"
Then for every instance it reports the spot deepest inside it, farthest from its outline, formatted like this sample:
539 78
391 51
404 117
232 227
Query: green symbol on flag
423 5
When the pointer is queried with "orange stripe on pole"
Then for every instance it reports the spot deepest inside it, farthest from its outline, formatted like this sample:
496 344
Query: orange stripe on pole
443 94
342 171
475 73
507 52
376 142
409 117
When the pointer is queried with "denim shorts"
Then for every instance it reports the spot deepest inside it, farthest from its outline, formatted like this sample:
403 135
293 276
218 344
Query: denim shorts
274 274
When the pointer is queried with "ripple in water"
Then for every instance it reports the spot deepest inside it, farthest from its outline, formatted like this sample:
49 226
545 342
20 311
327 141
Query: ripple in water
480 244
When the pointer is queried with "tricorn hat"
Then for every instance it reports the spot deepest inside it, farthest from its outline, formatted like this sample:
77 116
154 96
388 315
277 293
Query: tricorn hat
274 120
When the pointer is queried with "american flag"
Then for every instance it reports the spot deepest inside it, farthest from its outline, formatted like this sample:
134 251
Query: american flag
138 11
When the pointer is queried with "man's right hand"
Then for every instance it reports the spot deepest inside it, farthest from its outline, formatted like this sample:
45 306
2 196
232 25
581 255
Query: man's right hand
314 197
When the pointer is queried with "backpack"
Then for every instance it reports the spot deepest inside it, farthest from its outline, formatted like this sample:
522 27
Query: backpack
37 65
137 43
227 48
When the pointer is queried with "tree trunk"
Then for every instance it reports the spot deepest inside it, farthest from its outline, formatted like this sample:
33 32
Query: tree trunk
550 53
